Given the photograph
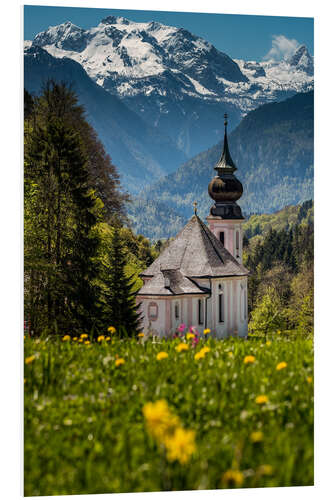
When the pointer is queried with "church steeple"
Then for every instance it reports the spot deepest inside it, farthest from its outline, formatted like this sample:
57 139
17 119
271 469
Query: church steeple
225 189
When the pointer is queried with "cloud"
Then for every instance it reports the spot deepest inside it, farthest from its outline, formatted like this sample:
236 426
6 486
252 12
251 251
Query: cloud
282 48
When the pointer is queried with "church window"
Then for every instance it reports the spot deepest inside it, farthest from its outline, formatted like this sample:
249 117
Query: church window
237 243
200 312
153 311
177 310
221 307
222 237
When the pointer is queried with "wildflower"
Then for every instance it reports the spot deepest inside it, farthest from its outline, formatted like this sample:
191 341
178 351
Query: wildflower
233 477
80 340
24 337
309 380
199 355
119 362
180 446
190 336
29 359
107 339
281 366
159 419
66 338
249 359
182 347
192 329
161 355
111 330
230 354
140 335
262 399
279 332
256 436
265 469
206 331
75 338
205 349
84 335
181 327
100 338
87 342
67 421
268 342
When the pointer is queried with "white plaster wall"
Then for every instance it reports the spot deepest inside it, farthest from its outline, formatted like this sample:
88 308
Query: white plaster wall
157 326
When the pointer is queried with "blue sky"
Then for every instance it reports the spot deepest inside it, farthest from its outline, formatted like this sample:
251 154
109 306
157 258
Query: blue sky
240 36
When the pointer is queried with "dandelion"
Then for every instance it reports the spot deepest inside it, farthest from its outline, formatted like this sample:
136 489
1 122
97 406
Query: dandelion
107 339
111 330
190 336
309 380
119 362
233 477
182 347
281 366
262 399
159 419
80 340
29 359
206 331
199 355
205 349
256 436
140 335
265 470
100 338
161 355
230 354
268 342
181 445
66 338
75 338
84 335
249 359
87 342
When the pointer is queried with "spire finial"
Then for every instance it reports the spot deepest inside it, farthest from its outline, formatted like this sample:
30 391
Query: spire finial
225 120
195 207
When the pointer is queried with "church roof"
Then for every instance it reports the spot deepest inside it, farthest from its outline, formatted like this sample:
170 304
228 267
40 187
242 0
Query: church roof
194 253
171 282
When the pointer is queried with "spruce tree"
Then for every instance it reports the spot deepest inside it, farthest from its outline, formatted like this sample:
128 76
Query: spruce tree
119 308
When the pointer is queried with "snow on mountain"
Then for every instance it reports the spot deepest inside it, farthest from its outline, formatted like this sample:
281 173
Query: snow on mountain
174 80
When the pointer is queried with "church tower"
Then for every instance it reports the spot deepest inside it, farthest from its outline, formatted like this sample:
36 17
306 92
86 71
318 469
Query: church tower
225 219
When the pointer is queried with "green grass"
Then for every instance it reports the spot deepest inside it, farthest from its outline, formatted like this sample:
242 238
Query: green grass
85 431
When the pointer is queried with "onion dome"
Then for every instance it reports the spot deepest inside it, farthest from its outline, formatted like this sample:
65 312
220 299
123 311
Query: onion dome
225 189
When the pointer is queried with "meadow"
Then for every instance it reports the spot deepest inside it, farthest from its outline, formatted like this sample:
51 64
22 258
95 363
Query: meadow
116 415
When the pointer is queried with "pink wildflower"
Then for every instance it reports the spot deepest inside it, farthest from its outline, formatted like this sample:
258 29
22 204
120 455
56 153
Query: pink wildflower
181 327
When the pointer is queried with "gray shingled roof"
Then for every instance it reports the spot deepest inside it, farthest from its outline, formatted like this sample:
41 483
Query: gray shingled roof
171 282
196 253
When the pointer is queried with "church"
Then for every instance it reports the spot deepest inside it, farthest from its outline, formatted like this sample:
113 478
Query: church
199 279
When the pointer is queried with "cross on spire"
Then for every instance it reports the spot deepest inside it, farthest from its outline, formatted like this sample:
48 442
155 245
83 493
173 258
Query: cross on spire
195 207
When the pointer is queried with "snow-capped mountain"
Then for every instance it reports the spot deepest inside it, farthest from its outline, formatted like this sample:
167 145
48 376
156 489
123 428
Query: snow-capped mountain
174 80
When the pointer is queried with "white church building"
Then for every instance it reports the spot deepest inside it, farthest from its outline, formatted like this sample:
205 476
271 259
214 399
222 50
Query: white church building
199 279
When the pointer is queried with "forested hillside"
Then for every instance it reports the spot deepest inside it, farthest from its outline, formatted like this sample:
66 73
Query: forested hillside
273 150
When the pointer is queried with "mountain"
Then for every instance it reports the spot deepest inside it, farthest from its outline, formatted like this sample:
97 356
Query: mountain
139 151
174 80
302 60
273 150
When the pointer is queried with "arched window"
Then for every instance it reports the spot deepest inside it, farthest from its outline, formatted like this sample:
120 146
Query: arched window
222 237
200 312
221 306
176 310
152 311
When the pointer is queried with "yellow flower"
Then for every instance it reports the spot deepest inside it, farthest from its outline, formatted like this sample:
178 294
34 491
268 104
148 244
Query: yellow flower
80 340
87 342
268 342
265 470
66 338
206 331
119 362
140 335
182 347
161 355
249 359
111 329
107 339
75 338
205 349
84 335
24 337
256 436
181 445
199 355
230 354
100 338
159 419
309 380
233 478
29 359
281 366
262 399
190 336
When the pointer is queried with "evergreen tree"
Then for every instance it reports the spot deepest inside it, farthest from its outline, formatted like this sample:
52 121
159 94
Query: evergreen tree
118 300
268 316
